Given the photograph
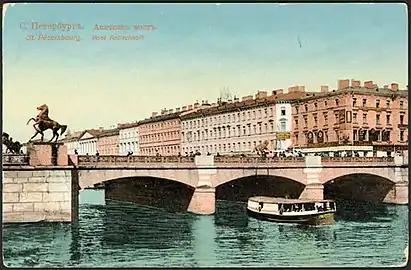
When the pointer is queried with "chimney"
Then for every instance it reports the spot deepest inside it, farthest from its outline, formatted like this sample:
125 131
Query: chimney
261 94
368 84
292 89
301 88
177 109
190 107
196 105
184 108
355 83
236 99
394 87
386 86
250 97
170 111
375 86
343 84
324 88
100 128
278 92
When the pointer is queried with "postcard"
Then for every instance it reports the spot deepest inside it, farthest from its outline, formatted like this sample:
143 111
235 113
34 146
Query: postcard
205 135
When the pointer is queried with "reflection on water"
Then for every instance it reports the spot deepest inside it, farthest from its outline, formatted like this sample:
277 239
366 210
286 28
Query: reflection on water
114 234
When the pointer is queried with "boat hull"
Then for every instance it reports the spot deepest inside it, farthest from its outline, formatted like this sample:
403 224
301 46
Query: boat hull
314 219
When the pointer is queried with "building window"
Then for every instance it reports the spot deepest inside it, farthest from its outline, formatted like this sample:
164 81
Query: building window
305 121
306 107
296 109
401 119
354 118
378 120
283 125
364 118
388 103
401 104
316 106
296 122
325 103
401 135
354 102
364 102
377 103
337 102
282 111
315 120
325 114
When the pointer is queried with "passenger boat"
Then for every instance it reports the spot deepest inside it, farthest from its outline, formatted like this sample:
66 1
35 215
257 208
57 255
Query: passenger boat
311 212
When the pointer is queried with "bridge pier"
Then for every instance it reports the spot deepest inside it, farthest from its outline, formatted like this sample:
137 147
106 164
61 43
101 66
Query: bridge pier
203 200
399 193
314 190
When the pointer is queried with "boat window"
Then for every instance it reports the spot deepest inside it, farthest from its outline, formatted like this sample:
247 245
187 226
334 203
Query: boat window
309 206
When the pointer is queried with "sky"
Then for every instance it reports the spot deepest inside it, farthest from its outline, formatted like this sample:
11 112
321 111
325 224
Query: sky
195 52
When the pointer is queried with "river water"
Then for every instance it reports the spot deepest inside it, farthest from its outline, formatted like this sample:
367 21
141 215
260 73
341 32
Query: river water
112 234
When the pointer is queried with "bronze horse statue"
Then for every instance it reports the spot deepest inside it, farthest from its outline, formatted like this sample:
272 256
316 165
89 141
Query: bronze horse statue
13 147
43 123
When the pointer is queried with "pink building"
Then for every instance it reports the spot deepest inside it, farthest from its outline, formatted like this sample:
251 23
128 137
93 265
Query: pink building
160 134
366 118
108 142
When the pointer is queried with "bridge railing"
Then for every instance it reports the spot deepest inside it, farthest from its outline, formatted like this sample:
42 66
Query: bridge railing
258 159
15 160
85 160
358 159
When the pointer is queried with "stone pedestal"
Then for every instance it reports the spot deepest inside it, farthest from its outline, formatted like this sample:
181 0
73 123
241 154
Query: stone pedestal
203 201
47 154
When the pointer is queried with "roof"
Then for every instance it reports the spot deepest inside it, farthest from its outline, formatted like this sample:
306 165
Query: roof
357 90
246 104
159 118
128 125
283 200
74 136
109 132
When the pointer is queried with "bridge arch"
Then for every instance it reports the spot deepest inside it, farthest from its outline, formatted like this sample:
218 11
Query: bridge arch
329 174
224 176
240 189
359 187
89 178
158 192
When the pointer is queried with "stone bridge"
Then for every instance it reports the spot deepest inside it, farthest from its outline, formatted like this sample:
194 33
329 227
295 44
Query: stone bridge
308 177
49 180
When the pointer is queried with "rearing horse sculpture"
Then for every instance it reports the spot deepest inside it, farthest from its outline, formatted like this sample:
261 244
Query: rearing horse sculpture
43 123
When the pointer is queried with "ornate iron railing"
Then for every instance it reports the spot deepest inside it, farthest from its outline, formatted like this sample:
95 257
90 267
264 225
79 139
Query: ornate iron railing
133 159
359 159
258 159
221 159
15 159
